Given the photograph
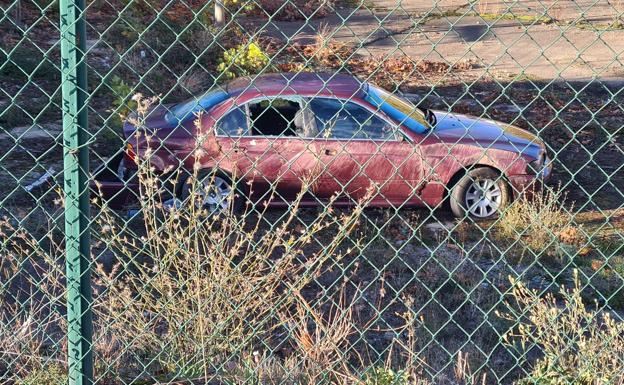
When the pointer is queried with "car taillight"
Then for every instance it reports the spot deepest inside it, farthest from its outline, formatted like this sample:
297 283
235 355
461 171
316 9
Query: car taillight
130 152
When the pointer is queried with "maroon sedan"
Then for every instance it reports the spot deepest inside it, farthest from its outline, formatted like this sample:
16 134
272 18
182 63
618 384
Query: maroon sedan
273 131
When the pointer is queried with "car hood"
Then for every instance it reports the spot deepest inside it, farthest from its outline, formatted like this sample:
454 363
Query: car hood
457 128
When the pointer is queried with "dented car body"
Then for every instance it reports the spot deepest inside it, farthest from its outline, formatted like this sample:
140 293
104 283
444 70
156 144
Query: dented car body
277 130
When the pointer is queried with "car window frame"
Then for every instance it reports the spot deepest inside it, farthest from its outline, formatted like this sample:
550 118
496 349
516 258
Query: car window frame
245 104
377 113
404 137
225 115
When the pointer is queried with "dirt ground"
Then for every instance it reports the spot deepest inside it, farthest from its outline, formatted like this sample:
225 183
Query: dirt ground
571 40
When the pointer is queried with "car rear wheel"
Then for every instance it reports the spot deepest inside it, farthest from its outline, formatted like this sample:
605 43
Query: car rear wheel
481 194
211 190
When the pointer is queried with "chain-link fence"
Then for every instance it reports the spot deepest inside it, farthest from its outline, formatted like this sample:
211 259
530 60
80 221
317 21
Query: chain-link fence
322 191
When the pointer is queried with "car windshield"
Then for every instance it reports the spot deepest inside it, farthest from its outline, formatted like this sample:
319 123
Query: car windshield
400 109
190 107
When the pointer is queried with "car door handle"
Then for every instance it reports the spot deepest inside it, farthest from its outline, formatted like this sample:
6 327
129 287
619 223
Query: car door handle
239 149
329 152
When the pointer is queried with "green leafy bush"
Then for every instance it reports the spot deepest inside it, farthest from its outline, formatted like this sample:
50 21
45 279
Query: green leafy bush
246 59
385 376
122 102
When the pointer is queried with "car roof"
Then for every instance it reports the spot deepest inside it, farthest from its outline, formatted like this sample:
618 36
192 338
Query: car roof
298 83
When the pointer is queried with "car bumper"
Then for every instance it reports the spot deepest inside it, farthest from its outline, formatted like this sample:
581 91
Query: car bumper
529 185
546 171
110 185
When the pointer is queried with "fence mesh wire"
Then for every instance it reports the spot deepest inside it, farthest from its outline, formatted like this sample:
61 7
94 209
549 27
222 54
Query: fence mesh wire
322 191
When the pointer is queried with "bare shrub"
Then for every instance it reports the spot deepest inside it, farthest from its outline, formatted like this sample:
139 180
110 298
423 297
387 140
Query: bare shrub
195 81
577 345
324 52
190 295
324 349
403 365
193 290
32 346
539 223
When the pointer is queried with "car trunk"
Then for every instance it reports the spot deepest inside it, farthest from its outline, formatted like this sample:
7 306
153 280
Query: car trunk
156 120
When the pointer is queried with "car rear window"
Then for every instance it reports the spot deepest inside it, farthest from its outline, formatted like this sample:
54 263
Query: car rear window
398 109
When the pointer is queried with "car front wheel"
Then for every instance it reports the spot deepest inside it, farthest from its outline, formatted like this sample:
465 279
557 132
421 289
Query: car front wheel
481 194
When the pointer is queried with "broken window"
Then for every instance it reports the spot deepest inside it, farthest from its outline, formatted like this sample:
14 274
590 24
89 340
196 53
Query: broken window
274 117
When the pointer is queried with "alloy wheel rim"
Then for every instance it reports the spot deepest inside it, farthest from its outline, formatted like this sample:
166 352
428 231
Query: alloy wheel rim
215 193
483 197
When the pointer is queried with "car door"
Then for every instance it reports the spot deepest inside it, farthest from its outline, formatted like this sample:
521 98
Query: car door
358 150
261 140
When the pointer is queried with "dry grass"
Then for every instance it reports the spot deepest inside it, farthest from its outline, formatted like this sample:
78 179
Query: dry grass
488 7
31 295
195 81
326 51
556 12
294 9
540 223
464 373
617 10
578 345
322 347
392 72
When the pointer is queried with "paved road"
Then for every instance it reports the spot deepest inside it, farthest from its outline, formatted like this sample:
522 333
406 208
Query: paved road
577 45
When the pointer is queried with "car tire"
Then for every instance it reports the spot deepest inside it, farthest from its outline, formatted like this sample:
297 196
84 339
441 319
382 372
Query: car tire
480 194
218 188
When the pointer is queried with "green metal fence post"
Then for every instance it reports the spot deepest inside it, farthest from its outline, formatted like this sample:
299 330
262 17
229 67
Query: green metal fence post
76 164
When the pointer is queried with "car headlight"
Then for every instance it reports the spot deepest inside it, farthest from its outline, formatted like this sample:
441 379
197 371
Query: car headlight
536 166
540 167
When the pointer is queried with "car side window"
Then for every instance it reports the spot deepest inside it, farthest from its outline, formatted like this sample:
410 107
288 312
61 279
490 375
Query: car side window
274 116
234 123
339 119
